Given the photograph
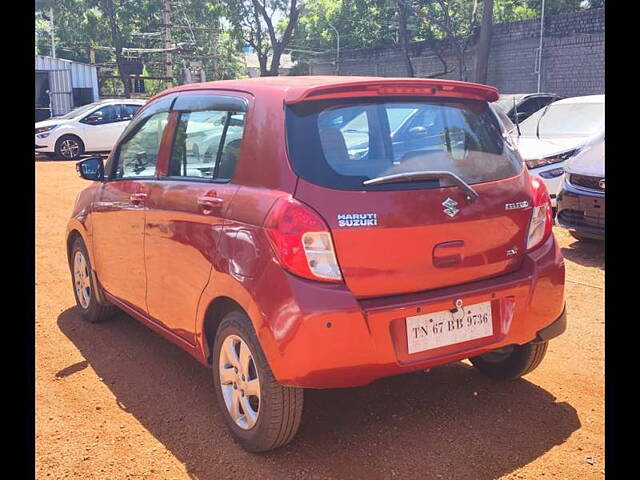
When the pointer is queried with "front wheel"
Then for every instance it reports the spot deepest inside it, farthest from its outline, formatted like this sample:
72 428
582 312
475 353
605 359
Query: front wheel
511 362
261 413
69 147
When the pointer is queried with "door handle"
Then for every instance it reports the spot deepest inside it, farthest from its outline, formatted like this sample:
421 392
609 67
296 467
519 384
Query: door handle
208 203
137 198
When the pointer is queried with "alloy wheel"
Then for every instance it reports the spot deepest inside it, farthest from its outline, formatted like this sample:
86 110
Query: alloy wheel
69 148
82 279
239 382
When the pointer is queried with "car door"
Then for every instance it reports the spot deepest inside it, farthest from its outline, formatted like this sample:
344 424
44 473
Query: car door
119 214
103 127
187 205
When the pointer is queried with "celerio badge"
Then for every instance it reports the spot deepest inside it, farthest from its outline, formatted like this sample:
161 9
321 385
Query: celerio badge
357 219
516 205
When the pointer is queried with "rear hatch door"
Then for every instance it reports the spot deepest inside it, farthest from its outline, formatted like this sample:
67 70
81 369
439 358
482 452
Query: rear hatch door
413 235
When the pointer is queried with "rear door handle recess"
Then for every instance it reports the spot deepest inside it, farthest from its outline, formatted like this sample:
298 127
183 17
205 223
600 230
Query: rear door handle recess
448 254
208 203
137 198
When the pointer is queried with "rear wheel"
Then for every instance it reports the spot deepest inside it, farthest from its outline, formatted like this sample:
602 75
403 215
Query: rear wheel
511 362
69 147
261 413
84 288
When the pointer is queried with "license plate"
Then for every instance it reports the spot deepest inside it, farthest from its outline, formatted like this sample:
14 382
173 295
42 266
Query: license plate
439 329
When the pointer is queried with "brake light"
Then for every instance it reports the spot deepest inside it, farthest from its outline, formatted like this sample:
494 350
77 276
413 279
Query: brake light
302 241
541 217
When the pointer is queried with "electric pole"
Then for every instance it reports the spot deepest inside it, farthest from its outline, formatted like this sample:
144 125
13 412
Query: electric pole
166 16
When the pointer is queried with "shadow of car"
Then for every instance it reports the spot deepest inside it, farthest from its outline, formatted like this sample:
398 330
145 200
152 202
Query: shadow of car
451 422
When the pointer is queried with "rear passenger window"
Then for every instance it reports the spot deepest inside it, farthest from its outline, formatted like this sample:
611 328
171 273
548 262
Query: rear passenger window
138 155
130 111
206 145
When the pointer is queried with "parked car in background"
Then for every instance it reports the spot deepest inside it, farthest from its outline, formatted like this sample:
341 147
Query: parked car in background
307 257
581 200
553 135
91 128
526 104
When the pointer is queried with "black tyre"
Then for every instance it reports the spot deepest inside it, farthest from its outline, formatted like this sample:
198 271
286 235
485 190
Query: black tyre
84 288
261 413
511 362
69 147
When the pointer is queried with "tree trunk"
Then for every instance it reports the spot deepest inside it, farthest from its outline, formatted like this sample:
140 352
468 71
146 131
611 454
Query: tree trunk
262 60
274 69
117 45
484 42
403 38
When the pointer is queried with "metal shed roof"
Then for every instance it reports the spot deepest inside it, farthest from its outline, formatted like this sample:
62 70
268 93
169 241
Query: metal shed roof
82 74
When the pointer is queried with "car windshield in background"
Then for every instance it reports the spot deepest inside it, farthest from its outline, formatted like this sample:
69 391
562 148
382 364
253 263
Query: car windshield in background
565 120
505 102
341 143
79 111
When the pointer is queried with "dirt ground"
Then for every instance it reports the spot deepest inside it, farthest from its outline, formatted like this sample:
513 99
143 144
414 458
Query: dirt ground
116 401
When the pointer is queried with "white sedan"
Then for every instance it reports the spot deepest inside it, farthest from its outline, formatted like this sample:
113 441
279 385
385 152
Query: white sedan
91 128
554 134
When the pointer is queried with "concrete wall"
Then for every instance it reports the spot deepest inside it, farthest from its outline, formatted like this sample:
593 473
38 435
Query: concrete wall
572 59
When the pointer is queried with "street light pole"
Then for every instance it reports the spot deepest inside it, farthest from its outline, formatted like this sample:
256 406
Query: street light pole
540 47
337 47
53 35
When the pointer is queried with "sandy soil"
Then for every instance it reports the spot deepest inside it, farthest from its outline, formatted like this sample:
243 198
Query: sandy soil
116 401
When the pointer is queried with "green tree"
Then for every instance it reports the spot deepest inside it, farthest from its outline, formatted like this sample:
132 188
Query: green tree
256 23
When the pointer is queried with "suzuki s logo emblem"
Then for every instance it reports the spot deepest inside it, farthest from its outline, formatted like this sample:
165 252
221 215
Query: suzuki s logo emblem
601 183
450 207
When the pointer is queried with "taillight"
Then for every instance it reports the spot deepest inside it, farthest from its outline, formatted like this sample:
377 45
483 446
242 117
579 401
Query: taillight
541 217
302 241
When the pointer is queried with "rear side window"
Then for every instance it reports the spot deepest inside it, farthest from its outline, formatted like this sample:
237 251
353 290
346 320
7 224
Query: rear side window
108 114
129 111
340 144
138 154
206 145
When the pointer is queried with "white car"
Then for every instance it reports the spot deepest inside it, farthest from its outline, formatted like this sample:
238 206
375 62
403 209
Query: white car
554 134
581 200
91 128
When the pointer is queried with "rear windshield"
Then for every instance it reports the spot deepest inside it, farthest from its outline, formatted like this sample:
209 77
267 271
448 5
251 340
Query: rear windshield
342 143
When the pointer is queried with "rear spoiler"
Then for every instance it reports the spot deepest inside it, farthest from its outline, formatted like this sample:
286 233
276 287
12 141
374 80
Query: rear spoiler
394 87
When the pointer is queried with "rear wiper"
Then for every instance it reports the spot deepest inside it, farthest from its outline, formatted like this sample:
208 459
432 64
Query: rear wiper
471 194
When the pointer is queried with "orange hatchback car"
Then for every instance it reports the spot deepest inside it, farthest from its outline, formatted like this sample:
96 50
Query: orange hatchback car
320 232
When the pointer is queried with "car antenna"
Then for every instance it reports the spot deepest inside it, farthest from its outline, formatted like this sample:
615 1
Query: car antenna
515 115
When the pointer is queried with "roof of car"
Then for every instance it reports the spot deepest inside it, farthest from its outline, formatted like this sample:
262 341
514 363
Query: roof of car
122 100
584 99
297 88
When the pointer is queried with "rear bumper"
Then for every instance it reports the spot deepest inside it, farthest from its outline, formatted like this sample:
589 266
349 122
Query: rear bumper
581 211
555 329
320 336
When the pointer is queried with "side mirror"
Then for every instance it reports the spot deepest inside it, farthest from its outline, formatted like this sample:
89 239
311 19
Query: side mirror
93 119
91 169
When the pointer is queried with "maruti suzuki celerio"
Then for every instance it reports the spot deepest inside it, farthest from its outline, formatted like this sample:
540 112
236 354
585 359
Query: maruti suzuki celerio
320 232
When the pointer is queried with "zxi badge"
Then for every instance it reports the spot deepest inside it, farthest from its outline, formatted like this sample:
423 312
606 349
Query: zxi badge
450 207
